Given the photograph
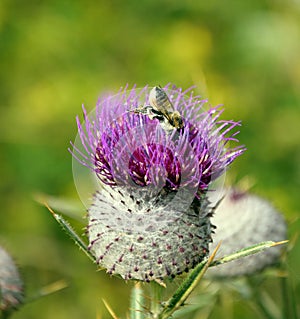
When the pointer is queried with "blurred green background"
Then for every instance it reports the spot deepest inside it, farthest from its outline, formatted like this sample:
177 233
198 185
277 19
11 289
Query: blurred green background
56 55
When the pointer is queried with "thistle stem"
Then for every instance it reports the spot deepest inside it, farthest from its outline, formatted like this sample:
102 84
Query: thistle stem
156 299
259 299
285 298
137 307
265 312
289 305
5 315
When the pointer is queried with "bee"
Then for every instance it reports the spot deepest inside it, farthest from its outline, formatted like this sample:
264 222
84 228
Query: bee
162 109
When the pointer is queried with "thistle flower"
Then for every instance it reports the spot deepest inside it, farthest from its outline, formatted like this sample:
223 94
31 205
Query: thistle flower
151 218
11 285
258 221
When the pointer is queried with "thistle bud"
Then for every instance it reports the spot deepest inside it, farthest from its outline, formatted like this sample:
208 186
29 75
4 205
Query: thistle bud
11 285
243 220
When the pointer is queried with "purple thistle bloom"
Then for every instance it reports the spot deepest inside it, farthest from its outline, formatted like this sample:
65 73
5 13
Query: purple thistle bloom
152 219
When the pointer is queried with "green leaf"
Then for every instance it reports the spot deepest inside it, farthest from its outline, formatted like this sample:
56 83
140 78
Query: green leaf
188 285
186 288
109 309
71 233
251 250
47 290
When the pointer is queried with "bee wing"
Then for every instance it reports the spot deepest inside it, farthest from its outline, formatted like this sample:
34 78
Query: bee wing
160 101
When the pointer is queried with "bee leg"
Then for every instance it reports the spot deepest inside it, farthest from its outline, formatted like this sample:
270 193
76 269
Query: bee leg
143 110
